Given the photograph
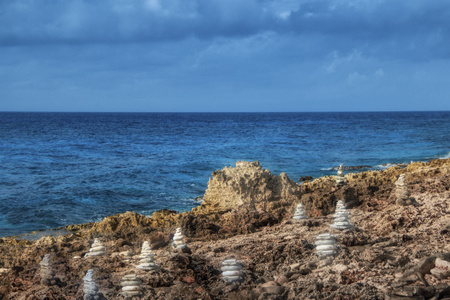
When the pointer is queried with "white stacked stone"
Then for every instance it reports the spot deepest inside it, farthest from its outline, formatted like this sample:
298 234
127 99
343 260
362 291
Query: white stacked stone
178 239
232 270
340 179
147 258
97 248
131 286
46 271
341 215
299 213
326 245
90 288
401 190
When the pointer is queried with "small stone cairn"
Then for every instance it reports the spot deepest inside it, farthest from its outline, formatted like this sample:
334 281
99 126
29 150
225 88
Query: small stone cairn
232 270
46 272
341 221
340 179
178 239
146 258
90 288
97 248
326 245
131 286
402 193
299 213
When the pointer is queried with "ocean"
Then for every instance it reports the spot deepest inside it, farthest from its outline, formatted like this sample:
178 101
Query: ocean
68 168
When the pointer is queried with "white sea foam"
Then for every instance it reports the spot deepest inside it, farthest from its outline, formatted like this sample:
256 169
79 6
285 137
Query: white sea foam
445 156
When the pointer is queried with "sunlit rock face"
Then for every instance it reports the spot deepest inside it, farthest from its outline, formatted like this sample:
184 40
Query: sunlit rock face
340 179
147 258
97 249
179 239
232 270
46 272
131 286
299 213
326 245
341 217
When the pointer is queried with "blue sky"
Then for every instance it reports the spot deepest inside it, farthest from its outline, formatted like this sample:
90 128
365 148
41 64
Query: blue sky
224 55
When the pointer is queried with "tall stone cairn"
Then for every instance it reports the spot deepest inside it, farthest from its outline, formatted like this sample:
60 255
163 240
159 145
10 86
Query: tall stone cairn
46 272
341 215
90 288
340 179
179 239
326 245
402 194
299 213
232 270
147 258
131 286
97 249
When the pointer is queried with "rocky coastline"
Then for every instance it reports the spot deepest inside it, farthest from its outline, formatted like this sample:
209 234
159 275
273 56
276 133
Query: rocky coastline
395 249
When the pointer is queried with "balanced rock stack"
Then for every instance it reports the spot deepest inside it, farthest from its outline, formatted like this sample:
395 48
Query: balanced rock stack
340 179
146 258
90 288
178 239
131 285
47 274
341 221
402 194
97 248
299 213
232 270
326 245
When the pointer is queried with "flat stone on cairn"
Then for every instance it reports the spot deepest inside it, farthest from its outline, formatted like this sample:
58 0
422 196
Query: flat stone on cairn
232 270
341 221
90 288
131 285
46 272
97 248
326 245
299 213
146 258
340 179
178 239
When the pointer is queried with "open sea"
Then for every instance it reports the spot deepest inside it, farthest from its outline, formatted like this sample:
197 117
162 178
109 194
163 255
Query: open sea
67 168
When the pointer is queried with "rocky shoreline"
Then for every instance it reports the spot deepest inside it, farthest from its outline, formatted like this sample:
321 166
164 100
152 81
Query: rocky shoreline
394 251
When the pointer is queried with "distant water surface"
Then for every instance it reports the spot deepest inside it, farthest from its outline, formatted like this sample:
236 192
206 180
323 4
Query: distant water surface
66 168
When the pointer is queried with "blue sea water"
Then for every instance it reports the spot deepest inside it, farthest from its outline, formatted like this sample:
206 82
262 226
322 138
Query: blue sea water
67 168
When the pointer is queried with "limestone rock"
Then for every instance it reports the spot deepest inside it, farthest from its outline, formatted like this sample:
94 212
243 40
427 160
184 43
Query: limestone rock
46 272
402 193
232 270
247 183
326 245
97 249
131 286
146 258
299 213
178 239
340 179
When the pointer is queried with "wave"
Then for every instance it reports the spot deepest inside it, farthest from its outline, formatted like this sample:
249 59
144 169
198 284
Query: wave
445 156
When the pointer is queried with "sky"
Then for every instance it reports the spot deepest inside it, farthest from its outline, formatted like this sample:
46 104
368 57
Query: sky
224 55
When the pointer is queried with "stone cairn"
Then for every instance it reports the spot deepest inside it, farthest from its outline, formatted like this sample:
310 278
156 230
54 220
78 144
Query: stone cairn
178 239
341 221
326 245
402 193
90 288
232 270
97 248
131 286
340 179
47 274
299 213
146 258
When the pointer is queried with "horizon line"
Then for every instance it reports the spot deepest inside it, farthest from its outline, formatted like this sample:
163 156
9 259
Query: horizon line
220 112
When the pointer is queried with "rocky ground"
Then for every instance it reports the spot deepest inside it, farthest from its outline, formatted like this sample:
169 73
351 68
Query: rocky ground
392 252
